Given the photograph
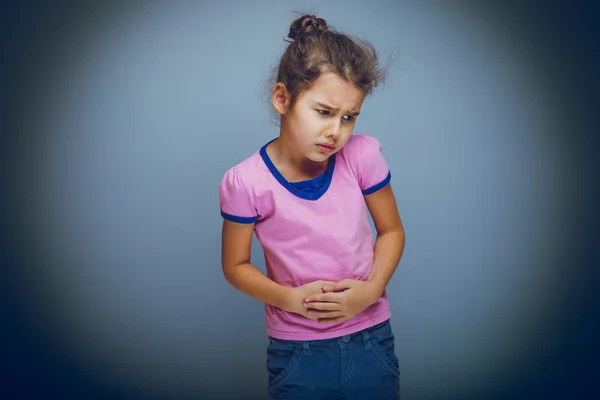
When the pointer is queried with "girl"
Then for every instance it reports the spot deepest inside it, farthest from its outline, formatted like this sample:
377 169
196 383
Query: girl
304 195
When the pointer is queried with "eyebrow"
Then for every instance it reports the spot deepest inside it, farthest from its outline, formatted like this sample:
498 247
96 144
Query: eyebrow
330 107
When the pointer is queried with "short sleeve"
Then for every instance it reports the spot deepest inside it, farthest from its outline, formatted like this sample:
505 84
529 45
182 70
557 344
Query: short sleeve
235 199
369 165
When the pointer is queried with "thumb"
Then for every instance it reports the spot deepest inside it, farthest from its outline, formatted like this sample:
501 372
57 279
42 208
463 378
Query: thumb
336 286
329 287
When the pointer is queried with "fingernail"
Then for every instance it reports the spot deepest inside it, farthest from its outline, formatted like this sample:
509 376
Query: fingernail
326 287
305 305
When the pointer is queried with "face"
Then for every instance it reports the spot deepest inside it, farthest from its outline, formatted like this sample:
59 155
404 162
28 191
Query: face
322 119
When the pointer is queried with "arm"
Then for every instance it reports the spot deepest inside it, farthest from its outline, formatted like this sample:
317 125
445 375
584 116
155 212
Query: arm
236 241
347 298
389 244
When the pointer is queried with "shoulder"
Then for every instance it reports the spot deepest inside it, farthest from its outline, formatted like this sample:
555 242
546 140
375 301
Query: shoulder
360 145
361 148
245 172
237 191
362 153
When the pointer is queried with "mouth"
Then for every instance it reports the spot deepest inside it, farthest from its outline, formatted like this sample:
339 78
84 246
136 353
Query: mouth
325 148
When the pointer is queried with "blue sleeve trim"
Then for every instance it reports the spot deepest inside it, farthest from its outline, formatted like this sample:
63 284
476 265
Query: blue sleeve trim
239 220
380 185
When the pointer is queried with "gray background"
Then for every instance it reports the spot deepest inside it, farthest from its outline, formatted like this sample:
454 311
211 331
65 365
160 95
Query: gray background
126 117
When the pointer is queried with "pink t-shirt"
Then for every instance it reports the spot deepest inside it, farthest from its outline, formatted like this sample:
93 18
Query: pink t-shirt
311 235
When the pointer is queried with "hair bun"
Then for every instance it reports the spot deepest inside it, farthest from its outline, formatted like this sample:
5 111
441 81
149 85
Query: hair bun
305 25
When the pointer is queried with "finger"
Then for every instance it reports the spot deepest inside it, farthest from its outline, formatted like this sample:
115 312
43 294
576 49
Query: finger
345 284
324 297
334 320
329 287
311 316
325 314
332 287
324 306
338 286
326 283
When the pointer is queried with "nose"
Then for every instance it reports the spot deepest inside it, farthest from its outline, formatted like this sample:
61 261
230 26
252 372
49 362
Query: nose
334 130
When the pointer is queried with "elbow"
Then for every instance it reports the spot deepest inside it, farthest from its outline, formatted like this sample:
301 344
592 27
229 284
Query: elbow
228 273
401 237
396 236
398 233
231 273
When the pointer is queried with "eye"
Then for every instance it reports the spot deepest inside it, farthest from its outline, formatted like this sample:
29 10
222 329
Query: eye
323 112
348 117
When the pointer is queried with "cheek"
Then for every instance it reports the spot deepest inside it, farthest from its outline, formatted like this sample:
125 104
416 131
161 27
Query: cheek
308 124
345 134
347 130
313 118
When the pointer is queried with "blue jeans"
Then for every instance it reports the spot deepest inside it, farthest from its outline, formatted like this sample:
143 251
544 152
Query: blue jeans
361 366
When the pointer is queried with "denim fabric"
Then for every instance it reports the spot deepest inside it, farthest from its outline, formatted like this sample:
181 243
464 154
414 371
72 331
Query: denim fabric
362 365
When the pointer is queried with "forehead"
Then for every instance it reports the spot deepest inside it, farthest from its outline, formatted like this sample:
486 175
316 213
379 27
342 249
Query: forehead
331 89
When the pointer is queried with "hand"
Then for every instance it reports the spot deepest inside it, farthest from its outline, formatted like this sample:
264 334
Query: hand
342 301
295 302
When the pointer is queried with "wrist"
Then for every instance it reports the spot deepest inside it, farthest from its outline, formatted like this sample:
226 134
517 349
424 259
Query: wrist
376 289
286 298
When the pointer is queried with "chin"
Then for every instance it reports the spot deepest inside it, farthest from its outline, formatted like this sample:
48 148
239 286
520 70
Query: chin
318 157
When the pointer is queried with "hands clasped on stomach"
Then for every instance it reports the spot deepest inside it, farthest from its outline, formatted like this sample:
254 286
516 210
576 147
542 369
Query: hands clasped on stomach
330 302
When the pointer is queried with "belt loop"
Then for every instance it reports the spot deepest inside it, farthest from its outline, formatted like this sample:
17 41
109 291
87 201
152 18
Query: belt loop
367 340
305 348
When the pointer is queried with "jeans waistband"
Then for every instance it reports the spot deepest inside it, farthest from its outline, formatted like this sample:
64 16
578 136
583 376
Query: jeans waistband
360 335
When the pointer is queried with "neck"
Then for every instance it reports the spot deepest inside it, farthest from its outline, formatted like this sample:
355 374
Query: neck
291 161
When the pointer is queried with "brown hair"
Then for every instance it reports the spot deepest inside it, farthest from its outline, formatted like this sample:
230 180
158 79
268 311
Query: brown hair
314 48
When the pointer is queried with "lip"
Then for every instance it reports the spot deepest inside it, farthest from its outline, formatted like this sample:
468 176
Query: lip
325 148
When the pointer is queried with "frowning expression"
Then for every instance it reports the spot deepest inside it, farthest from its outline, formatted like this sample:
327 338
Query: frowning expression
322 118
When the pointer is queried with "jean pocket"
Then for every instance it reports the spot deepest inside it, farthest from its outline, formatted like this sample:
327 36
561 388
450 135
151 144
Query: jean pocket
282 357
383 346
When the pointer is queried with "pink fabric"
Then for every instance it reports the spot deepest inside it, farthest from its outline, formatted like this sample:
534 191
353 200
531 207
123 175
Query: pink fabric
306 240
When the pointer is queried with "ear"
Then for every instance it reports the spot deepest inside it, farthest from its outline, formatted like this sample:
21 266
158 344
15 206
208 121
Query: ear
281 98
